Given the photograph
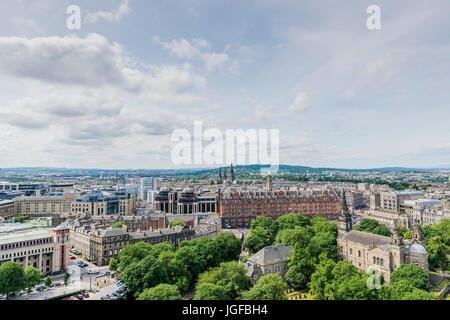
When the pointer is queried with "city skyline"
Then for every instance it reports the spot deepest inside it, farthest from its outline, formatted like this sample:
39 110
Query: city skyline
110 94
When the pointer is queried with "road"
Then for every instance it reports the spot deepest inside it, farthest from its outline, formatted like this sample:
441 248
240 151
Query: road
80 280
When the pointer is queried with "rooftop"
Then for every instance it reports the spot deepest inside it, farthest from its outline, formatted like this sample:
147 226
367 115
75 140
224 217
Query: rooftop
24 236
271 254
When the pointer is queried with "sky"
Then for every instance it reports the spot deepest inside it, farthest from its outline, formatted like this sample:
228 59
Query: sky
110 94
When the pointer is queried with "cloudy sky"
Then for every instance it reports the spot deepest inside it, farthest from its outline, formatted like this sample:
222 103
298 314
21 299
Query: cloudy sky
110 94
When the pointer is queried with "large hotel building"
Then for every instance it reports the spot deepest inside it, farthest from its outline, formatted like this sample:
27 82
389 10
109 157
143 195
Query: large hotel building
238 209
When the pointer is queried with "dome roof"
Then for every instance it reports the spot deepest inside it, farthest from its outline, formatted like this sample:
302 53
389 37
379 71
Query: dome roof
417 248
188 190
165 189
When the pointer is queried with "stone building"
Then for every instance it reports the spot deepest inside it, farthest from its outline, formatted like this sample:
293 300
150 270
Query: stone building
103 203
100 244
368 251
7 209
186 201
269 260
238 208
44 249
42 205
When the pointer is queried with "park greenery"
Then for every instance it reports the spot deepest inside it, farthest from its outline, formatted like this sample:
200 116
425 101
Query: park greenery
437 240
145 266
373 226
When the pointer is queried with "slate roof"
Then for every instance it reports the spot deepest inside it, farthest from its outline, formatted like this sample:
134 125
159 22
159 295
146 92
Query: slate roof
366 238
112 232
271 254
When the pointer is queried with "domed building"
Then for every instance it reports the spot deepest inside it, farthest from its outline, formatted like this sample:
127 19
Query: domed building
368 251
187 202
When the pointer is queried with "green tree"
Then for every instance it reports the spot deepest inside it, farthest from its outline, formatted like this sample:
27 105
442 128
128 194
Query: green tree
66 277
269 287
290 237
367 225
404 290
117 225
162 247
48 281
288 221
437 253
322 225
229 245
177 271
324 243
258 239
12 278
382 230
229 275
192 259
413 274
261 221
210 291
113 264
134 253
322 277
146 273
301 267
177 223
33 277
162 291
406 233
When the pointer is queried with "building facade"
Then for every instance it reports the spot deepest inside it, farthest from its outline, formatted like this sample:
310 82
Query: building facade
44 249
7 209
269 260
100 245
104 203
42 205
238 209
368 251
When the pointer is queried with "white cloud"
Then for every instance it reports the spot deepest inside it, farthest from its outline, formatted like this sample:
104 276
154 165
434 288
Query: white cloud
301 102
86 95
110 16
192 50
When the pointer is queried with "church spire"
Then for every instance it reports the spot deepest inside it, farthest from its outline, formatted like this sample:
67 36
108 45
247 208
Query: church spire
345 223
220 175
232 177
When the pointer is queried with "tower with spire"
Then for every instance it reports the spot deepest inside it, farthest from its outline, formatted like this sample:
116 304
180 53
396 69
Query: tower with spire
232 176
220 176
345 219
225 174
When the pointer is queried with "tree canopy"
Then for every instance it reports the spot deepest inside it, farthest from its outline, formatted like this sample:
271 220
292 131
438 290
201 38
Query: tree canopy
162 291
12 277
413 274
269 287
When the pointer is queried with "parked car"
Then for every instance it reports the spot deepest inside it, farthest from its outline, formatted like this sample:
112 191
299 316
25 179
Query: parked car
80 297
103 298
55 284
106 273
72 258
85 294
73 298
41 288
121 283
93 271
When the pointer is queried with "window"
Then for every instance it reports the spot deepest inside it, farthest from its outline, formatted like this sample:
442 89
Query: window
359 253
351 251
